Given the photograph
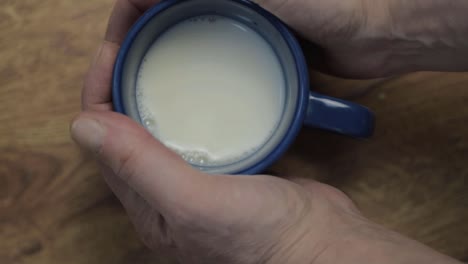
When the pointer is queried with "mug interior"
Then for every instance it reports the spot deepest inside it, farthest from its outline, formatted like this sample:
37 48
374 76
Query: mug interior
157 20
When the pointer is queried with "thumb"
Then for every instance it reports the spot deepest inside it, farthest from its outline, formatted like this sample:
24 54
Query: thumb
159 175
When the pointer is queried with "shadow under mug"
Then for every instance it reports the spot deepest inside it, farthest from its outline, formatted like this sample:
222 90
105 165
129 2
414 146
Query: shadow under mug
301 106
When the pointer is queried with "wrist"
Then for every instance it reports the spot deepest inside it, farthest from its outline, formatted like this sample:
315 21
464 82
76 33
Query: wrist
306 244
375 244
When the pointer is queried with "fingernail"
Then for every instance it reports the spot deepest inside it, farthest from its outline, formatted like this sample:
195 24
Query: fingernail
88 133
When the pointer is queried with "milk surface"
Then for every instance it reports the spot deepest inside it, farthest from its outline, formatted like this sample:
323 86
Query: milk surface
211 89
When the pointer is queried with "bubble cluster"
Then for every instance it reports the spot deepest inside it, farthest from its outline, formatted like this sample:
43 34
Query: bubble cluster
203 19
204 159
147 119
198 158
211 19
149 123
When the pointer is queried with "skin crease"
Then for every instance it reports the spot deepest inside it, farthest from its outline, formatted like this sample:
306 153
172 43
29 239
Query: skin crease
203 218
378 38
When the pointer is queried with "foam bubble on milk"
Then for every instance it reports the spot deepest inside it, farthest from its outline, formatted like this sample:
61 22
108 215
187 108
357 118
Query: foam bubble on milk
211 89
195 157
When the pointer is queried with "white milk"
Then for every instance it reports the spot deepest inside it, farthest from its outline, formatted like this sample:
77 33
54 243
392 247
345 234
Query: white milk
211 89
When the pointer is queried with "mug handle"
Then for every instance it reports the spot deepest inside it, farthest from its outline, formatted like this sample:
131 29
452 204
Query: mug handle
339 116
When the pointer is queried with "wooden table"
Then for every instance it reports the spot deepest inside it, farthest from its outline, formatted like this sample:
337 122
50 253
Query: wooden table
55 208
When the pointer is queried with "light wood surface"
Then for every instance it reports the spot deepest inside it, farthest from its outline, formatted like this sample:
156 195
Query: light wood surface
55 208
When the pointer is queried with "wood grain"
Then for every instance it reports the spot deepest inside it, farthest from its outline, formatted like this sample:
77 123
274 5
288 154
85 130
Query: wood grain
55 208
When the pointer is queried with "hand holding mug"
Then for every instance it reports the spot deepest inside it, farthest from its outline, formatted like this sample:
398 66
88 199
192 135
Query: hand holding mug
204 218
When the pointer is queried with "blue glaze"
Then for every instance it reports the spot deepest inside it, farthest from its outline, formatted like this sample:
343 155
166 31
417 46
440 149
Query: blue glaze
339 116
310 108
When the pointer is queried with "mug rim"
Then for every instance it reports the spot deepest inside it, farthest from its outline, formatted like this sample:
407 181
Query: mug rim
286 34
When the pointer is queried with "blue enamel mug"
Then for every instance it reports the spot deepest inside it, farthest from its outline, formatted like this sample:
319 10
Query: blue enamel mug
301 106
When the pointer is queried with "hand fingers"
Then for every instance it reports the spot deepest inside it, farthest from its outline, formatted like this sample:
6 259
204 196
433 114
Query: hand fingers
159 175
96 93
124 14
